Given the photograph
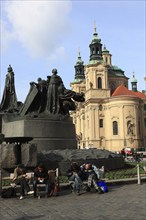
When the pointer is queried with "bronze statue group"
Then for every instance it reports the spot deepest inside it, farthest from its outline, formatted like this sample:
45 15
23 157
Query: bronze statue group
47 97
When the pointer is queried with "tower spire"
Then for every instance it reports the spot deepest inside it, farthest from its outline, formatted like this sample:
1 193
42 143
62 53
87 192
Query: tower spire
95 47
79 67
79 54
94 26
134 83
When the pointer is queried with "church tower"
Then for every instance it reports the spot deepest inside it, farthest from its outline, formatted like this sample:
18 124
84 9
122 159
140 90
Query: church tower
106 56
96 70
134 83
79 68
96 92
78 84
95 47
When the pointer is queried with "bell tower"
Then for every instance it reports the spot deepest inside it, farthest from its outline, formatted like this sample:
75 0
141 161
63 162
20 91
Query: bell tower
134 83
95 47
79 68
106 56
78 84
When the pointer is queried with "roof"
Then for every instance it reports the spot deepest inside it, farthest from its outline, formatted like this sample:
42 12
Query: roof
140 95
122 91
116 71
117 68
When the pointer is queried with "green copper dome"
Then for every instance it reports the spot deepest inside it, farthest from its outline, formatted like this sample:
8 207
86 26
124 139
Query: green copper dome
133 80
79 61
95 38
105 50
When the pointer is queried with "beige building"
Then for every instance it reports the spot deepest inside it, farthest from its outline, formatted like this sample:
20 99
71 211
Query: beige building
112 116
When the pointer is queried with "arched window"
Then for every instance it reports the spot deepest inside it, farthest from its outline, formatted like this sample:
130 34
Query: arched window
101 123
99 82
93 50
145 107
97 51
115 128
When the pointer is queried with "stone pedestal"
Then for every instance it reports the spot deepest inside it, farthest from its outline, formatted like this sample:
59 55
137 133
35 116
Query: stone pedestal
47 134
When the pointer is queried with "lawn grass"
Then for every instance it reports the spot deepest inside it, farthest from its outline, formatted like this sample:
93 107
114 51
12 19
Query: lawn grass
129 171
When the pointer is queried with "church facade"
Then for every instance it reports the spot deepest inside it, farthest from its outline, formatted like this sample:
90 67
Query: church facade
112 116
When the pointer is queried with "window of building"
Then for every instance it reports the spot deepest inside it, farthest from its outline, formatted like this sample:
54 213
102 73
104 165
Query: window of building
99 82
93 50
100 107
145 107
115 128
97 51
101 123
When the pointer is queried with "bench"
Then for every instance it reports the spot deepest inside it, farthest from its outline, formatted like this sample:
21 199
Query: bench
30 175
53 176
85 182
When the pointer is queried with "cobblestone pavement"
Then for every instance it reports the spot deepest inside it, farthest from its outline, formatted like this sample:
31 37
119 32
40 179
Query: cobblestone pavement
122 202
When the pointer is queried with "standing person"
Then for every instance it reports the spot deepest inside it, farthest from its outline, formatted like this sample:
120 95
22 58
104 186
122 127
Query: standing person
21 179
92 175
123 153
41 176
76 177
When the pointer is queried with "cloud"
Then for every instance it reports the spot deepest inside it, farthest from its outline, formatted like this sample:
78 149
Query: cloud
6 36
39 26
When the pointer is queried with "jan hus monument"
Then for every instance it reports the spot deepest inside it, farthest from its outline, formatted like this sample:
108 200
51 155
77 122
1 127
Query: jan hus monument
44 116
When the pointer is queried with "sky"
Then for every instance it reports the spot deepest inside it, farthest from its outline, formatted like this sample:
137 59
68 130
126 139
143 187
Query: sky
39 35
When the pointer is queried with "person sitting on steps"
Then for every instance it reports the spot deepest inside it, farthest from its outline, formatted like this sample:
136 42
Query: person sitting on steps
41 177
20 178
75 175
92 175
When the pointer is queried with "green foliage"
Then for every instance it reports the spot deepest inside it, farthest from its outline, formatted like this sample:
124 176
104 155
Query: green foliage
6 182
129 171
63 179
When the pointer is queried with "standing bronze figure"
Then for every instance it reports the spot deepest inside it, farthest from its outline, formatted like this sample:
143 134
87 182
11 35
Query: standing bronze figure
9 99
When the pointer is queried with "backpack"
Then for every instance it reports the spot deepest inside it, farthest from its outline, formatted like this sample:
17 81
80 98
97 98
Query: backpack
8 193
103 186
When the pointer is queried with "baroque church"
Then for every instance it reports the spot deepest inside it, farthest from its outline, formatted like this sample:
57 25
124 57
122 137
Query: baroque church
113 116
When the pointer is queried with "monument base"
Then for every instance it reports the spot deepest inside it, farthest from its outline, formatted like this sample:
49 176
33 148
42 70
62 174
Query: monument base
46 133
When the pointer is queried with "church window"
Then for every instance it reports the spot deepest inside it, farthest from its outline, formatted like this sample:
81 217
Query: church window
93 51
97 51
101 123
99 83
115 128
100 107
